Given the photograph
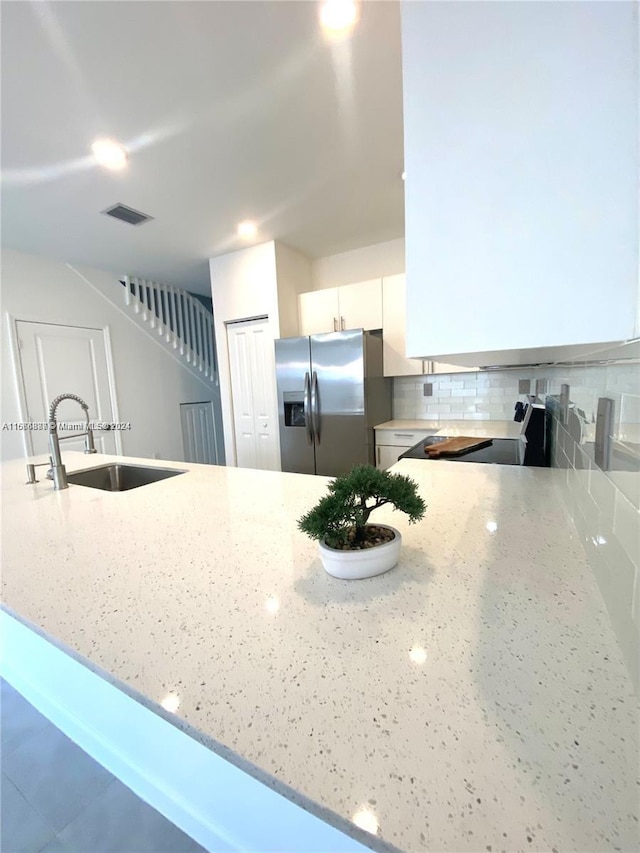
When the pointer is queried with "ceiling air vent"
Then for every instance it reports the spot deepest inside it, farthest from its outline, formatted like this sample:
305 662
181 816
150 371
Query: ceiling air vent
127 214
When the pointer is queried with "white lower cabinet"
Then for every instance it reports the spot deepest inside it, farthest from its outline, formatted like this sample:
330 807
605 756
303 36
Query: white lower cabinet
390 443
387 455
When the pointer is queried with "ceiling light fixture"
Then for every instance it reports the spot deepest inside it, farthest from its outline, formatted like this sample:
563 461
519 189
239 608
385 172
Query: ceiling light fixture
338 16
247 230
366 819
417 655
109 153
404 176
171 702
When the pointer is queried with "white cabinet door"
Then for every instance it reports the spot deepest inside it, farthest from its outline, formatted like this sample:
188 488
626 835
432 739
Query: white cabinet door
387 455
319 312
525 236
361 305
253 394
394 350
65 359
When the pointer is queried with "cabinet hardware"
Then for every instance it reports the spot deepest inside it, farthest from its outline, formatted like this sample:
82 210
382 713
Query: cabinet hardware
403 434
335 325
342 323
378 454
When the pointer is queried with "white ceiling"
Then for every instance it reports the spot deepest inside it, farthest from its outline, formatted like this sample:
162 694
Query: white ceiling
231 110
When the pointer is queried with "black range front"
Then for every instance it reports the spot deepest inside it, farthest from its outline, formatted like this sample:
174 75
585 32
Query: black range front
499 451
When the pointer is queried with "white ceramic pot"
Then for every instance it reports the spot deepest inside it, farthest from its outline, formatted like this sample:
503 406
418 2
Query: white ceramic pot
354 565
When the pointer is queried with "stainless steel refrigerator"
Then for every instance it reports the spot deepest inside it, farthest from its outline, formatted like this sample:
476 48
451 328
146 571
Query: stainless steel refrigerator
331 394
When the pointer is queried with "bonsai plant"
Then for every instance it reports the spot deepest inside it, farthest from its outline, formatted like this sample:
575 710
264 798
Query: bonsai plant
350 547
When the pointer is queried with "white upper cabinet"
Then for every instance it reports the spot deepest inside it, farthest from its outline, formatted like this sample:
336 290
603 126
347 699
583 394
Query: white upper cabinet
335 309
443 367
521 197
394 318
319 311
394 343
361 305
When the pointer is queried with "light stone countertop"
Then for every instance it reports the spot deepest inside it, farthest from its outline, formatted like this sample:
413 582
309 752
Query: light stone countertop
481 429
472 699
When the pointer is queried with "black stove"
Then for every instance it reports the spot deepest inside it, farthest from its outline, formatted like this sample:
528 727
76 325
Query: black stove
499 451
530 448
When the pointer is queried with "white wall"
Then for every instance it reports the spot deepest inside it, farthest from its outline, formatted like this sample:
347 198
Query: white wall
521 151
293 271
150 383
243 285
376 261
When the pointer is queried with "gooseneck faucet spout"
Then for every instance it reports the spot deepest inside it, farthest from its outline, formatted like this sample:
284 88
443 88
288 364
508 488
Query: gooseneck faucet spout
58 470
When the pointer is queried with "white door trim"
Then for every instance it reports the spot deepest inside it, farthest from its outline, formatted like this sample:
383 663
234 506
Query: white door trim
14 347
111 374
19 381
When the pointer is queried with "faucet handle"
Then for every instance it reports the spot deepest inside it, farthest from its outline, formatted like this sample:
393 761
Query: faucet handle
31 471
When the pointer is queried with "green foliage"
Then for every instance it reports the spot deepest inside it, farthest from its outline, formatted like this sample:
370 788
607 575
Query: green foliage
353 497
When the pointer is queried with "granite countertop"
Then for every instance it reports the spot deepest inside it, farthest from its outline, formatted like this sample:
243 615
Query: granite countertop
481 429
472 699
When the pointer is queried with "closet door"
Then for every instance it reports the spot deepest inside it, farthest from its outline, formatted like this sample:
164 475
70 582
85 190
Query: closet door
253 394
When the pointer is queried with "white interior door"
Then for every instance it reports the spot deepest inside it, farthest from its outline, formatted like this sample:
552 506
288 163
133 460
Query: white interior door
65 359
253 394
199 433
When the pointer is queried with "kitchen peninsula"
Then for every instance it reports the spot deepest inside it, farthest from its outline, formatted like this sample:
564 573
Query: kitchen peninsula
472 699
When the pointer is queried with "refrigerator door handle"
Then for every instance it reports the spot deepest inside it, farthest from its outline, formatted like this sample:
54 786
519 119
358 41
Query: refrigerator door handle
307 409
315 407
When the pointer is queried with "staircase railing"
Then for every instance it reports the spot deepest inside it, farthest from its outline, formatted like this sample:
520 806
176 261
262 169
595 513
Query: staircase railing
178 318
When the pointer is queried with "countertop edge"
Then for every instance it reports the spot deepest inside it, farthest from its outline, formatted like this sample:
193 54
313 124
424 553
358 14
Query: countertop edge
316 809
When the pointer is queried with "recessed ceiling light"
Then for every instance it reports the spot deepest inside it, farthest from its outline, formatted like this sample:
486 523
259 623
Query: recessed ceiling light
171 702
366 819
247 230
417 655
404 176
109 154
337 16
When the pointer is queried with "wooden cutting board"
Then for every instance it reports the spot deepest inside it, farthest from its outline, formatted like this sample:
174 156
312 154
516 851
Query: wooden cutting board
456 446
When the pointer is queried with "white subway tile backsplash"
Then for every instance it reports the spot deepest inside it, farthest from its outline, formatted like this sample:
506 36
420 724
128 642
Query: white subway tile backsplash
622 572
603 492
626 527
582 461
608 523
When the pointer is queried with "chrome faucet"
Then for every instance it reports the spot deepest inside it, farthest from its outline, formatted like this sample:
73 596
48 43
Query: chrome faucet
58 472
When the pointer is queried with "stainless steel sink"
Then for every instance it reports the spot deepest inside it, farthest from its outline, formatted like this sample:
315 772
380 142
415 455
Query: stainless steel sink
120 478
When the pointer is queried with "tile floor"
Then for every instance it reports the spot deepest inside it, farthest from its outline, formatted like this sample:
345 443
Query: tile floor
54 798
